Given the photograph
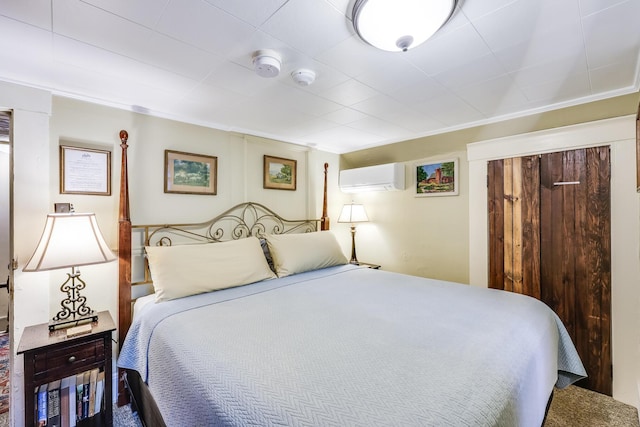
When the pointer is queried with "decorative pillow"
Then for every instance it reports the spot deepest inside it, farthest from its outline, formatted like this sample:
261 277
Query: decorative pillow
183 270
297 253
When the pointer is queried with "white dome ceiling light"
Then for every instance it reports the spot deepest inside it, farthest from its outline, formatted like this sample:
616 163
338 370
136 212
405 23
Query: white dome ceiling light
400 25
303 76
267 63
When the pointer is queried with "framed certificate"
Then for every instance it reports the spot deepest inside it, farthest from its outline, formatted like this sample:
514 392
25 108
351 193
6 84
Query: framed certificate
85 171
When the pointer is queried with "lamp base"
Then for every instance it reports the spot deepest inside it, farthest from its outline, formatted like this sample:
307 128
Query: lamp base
74 310
55 325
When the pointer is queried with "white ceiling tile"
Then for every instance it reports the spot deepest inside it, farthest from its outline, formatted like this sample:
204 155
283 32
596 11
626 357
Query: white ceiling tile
255 12
558 70
475 9
483 68
295 98
587 7
191 22
449 110
80 21
378 106
310 27
427 88
239 79
524 20
143 12
97 61
612 33
345 116
391 76
33 12
380 127
611 78
349 93
560 44
493 95
558 91
448 51
354 57
342 139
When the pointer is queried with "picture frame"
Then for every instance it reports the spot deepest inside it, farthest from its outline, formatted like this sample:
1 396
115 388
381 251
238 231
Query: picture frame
63 207
189 173
436 178
279 173
85 171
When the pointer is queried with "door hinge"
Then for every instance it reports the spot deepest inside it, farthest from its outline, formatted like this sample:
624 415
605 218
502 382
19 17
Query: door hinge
14 264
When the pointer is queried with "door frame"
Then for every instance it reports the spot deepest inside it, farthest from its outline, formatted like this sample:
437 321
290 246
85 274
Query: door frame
619 134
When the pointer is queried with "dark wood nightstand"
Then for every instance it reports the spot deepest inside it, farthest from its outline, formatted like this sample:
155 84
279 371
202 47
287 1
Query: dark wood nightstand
366 264
52 356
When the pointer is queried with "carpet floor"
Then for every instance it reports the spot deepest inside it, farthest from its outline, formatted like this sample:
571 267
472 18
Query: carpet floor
4 373
576 406
571 407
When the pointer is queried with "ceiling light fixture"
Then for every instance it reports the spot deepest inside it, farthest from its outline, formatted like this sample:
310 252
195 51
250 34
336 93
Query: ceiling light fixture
303 76
266 62
400 25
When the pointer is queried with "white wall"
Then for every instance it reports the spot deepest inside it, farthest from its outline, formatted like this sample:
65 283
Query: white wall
619 133
422 236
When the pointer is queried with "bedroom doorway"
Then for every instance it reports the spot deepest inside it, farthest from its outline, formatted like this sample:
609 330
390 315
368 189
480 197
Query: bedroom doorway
550 238
6 254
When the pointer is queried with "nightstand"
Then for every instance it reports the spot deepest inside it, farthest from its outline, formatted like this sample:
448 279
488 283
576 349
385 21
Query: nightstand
52 356
366 264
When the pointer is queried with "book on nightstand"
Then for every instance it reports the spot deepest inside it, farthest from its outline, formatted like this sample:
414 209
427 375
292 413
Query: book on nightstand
64 402
42 405
53 404
79 395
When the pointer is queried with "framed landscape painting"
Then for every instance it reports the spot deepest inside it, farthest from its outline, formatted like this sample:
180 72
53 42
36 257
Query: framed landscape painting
436 178
279 173
187 173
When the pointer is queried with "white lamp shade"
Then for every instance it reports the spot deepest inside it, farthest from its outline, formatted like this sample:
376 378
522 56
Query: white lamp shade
69 240
353 213
397 25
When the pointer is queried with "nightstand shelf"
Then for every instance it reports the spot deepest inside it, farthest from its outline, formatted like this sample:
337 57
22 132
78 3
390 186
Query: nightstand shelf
52 356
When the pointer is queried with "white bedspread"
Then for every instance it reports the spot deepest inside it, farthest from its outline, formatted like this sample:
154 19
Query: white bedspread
348 346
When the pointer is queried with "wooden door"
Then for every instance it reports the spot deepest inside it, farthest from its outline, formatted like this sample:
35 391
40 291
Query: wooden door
550 228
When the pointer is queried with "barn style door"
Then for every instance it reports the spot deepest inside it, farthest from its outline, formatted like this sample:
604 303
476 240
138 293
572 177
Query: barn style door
550 228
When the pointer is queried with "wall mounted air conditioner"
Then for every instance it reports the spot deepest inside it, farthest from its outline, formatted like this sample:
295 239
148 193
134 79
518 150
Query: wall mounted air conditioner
387 177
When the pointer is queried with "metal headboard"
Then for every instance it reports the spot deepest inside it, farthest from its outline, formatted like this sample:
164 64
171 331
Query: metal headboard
241 221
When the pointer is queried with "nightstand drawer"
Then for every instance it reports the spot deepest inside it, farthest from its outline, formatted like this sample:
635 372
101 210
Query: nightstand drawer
78 356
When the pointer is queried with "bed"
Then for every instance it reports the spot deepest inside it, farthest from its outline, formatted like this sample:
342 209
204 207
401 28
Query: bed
321 342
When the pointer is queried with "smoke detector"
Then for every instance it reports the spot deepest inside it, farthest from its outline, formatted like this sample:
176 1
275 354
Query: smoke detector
303 76
266 62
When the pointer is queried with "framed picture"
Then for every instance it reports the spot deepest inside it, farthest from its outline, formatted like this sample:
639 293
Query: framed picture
85 171
279 173
63 207
436 178
187 173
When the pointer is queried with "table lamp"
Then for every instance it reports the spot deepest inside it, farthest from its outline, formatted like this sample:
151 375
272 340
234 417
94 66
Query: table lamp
70 240
353 213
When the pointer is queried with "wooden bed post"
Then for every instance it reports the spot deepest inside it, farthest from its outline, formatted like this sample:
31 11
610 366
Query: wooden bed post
324 221
124 263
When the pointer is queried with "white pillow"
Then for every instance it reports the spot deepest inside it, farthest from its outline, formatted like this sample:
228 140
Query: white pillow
297 253
183 270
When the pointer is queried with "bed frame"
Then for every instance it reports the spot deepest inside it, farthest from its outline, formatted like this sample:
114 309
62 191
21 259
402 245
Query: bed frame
243 220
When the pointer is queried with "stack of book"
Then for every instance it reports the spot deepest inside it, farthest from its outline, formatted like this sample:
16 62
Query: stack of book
65 402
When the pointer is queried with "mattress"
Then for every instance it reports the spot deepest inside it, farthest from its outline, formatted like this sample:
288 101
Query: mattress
350 346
